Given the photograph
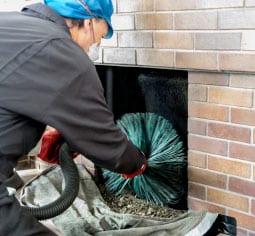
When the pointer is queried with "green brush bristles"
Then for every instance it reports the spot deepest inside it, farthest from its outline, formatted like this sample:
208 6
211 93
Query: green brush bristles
163 181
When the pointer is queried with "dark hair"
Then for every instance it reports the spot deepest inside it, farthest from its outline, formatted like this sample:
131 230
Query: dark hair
78 22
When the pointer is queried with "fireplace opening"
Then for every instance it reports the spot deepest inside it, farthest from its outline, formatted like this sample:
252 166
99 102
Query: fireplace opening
139 90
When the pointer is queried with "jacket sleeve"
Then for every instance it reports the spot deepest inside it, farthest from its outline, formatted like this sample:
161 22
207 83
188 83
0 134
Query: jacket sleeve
81 115
70 98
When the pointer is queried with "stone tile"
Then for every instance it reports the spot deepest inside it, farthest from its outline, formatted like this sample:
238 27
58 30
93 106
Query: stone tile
219 79
242 81
123 22
196 20
228 199
231 167
248 42
228 19
154 21
218 41
197 92
196 60
153 57
237 62
163 5
250 3
230 96
135 39
119 56
173 40
112 42
134 5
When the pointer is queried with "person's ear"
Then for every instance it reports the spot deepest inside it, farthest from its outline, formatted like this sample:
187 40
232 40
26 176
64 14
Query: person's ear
86 25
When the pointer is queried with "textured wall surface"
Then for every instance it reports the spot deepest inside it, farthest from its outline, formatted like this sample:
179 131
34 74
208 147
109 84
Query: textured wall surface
221 146
196 34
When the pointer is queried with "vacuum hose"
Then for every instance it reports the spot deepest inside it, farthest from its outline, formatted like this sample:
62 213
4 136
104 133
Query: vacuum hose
71 178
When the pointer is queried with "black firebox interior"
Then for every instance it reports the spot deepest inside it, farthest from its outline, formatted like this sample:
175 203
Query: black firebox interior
137 89
160 91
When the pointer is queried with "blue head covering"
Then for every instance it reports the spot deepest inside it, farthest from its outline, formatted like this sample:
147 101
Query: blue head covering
74 9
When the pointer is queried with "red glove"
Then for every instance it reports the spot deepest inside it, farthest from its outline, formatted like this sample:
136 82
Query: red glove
138 172
51 143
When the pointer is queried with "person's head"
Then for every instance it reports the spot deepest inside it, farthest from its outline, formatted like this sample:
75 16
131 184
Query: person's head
88 20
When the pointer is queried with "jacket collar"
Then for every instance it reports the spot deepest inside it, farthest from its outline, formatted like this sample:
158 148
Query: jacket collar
42 11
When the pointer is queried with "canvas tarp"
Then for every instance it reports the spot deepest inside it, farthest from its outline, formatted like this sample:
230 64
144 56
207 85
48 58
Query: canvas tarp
90 215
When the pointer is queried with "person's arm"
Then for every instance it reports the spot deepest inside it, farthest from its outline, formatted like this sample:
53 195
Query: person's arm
82 117
65 92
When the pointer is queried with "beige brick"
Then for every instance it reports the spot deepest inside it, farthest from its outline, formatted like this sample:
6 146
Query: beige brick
248 42
254 99
100 59
237 62
196 60
199 205
254 136
152 21
228 19
152 57
195 4
119 56
242 81
242 151
173 40
206 177
243 220
243 116
229 132
230 96
196 190
134 5
112 42
242 186
135 39
196 20
197 159
209 78
197 92
228 199
240 232
208 111
228 166
218 41
250 3
207 145
197 126
253 207
123 22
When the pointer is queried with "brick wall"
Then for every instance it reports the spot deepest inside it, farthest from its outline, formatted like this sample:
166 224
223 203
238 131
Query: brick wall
196 34
203 37
221 146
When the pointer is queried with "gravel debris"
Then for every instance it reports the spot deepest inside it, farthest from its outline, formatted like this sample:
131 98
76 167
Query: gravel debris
127 203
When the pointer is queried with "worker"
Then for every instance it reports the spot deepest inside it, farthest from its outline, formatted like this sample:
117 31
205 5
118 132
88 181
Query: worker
48 78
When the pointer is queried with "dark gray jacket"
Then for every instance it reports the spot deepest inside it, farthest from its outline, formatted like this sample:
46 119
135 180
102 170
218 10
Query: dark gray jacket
47 79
